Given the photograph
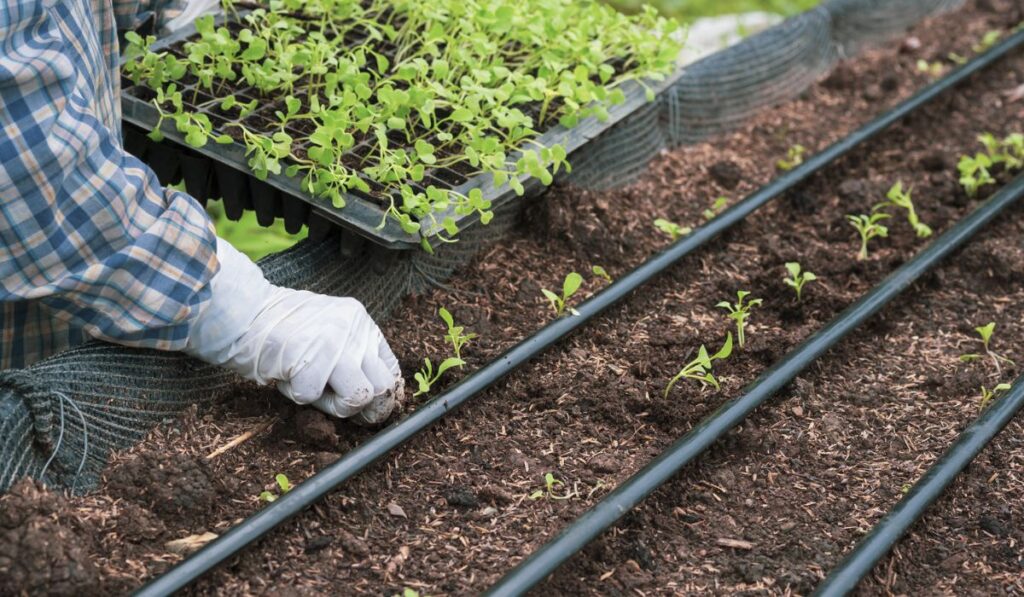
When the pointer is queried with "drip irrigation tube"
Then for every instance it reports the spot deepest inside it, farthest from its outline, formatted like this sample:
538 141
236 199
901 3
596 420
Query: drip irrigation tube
887 532
691 445
353 462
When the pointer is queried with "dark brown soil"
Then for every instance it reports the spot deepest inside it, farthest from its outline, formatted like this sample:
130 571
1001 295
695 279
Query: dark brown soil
767 510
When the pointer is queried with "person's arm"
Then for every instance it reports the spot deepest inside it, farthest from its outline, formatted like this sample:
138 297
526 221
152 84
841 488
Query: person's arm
86 229
89 233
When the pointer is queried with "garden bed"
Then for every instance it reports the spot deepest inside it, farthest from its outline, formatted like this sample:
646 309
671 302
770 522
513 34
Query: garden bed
769 509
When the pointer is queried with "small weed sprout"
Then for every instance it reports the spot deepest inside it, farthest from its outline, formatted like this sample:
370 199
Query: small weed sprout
716 208
987 395
985 332
673 230
897 197
974 172
552 487
600 272
739 312
797 278
456 335
427 377
794 157
569 287
868 227
282 483
699 369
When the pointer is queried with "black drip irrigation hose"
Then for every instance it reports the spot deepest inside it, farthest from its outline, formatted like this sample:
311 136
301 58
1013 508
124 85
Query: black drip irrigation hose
887 532
691 445
352 463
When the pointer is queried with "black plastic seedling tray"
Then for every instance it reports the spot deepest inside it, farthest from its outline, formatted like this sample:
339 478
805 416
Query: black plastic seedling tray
221 171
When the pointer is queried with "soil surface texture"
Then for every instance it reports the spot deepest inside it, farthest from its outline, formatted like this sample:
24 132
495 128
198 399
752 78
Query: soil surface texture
767 510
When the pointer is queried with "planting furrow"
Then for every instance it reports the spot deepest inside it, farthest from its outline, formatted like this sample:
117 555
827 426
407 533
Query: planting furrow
713 427
355 461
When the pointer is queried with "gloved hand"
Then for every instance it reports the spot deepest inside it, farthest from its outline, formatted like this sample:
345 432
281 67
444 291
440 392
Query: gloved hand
321 350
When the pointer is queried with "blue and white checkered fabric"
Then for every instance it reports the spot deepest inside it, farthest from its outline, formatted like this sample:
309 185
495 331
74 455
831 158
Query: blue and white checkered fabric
91 246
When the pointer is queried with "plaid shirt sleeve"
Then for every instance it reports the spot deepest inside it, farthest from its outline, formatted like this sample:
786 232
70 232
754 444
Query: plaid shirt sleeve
88 237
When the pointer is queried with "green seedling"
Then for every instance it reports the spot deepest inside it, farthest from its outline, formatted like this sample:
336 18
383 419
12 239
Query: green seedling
427 377
974 172
456 335
797 278
1009 151
987 41
552 487
985 332
571 284
898 198
739 312
407 592
700 368
1013 151
673 230
932 69
868 227
716 208
282 483
993 146
794 157
987 395
600 272
957 59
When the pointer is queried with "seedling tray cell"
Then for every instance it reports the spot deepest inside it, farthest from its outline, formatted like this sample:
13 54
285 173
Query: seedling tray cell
221 170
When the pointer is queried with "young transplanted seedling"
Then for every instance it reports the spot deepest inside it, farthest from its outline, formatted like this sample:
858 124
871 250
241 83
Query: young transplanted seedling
868 227
794 157
427 377
974 172
987 395
282 483
1009 151
987 41
932 69
600 272
569 287
699 369
797 278
716 208
897 197
456 335
673 230
739 312
552 487
986 332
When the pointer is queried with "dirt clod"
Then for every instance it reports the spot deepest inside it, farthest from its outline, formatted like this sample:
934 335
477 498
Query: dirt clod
169 487
39 554
726 173
315 429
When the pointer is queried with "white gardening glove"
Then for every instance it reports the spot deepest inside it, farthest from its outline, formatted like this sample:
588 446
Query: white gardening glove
321 350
